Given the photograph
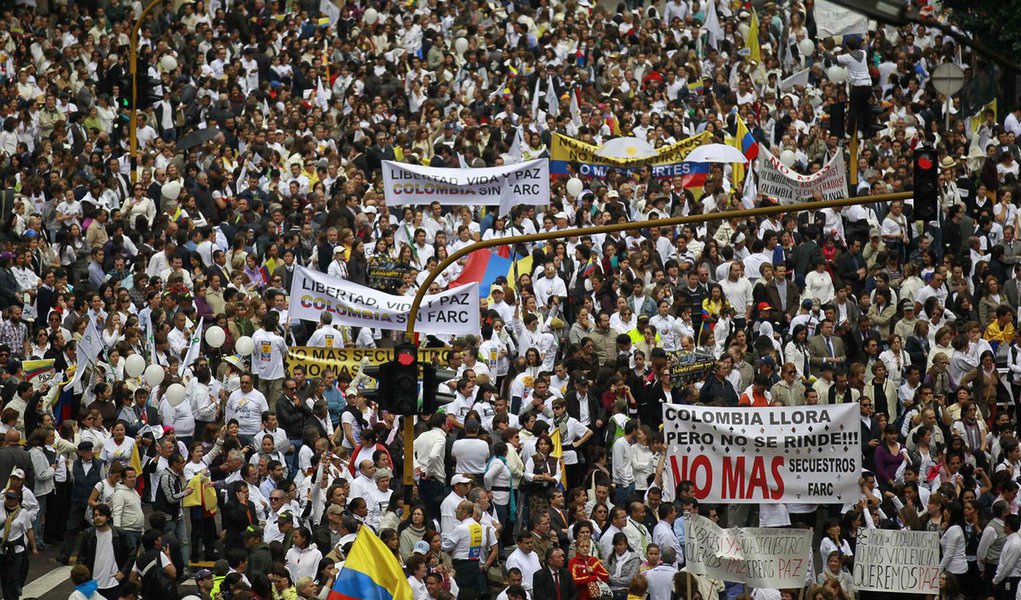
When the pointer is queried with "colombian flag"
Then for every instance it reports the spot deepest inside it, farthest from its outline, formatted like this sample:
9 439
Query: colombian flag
747 144
696 87
371 572
483 267
36 368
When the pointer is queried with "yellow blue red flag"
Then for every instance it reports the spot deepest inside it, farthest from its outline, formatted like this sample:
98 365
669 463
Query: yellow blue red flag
371 572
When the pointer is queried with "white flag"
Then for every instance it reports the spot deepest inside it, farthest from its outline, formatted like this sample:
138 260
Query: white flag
323 95
575 110
751 191
150 338
88 350
535 99
193 349
514 155
552 100
712 25
799 78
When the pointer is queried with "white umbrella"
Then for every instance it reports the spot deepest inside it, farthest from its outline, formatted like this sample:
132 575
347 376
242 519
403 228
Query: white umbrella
627 148
716 153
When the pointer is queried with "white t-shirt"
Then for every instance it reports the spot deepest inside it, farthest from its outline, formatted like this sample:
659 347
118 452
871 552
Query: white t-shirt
471 455
106 562
247 409
575 431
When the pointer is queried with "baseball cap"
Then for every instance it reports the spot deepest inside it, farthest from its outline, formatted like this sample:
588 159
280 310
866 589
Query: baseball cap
456 479
472 426
422 547
202 574
252 531
16 472
764 306
335 509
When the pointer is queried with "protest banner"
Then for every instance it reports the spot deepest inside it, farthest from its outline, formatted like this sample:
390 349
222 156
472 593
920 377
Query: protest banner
688 367
803 454
346 360
757 556
386 274
668 162
509 185
776 180
453 312
833 20
905 562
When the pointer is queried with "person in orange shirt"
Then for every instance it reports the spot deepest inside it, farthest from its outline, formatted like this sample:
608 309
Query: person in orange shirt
756 394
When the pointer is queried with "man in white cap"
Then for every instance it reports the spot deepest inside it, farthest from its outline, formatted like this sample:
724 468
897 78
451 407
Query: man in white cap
448 508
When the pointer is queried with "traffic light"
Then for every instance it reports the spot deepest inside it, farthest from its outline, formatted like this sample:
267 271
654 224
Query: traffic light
402 386
925 186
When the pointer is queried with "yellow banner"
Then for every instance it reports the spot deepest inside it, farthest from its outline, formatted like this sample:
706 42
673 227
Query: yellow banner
668 162
345 360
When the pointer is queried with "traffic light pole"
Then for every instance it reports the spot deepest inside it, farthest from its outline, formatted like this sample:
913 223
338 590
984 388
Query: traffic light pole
409 334
133 70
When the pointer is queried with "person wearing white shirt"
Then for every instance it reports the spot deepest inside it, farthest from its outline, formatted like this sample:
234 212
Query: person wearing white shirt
953 542
623 471
1008 569
327 336
524 559
448 508
303 557
378 499
663 533
470 452
268 359
661 577
549 285
246 405
465 544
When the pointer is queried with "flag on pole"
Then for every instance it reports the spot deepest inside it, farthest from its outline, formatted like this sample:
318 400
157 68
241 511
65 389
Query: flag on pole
558 453
751 191
552 100
150 338
714 33
746 143
194 347
755 52
38 372
799 78
371 571
535 98
575 109
88 350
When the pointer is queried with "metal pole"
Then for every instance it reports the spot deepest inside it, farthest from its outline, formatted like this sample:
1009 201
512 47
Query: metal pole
133 70
615 227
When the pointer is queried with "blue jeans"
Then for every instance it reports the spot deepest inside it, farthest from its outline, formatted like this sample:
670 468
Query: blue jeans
292 465
622 493
37 525
179 528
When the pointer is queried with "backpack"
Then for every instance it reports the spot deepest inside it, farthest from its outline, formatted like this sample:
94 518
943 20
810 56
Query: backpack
155 584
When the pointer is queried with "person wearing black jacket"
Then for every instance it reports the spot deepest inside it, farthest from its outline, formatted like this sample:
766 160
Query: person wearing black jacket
292 413
85 474
237 515
103 539
717 390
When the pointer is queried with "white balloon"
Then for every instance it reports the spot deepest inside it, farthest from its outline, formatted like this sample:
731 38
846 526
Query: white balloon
171 190
215 336
154 375
371 16
787 158
245 345
175 394
836 74
134 365
575 186
168 63
461 45
807 47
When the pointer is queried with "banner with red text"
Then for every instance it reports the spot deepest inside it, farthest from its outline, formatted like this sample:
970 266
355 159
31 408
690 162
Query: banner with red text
788 186
759 557
798 454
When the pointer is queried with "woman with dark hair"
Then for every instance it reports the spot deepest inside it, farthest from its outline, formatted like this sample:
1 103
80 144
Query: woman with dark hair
412 530
622 564
44 461
986 386
303 557
953 541
238 514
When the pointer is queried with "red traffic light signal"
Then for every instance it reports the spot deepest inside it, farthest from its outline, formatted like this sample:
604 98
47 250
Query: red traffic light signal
405 358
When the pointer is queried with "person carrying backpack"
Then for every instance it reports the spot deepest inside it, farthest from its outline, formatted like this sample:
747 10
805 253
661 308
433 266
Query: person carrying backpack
168 500
154 571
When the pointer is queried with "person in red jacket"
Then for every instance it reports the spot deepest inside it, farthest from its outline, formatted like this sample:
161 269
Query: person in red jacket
756 394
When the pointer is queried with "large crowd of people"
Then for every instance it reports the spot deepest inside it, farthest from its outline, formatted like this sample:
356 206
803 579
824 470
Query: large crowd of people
262 127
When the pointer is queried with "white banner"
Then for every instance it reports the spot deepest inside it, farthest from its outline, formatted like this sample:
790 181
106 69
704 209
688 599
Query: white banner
799 78
799 454
757 556
897 561
776 180
454 312
88 350
523 183
835 20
